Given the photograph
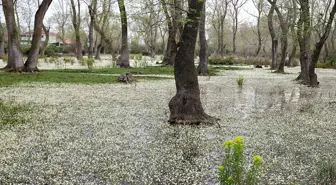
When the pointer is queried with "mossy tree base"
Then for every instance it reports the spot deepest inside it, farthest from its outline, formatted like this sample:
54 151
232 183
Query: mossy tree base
186 109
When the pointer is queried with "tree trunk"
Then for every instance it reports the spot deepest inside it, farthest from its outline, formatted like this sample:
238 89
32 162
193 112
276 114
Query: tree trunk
284 40
235 30
259 34
304 37
98 51
18 23
174 28
273 36
318 48
168 59
92 12
15 59
203 53
46 41
2 38
76 24
31 63
292 56
294 36
123 60
185 107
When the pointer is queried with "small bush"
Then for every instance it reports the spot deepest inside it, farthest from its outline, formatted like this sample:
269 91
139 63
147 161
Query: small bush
69 60
222 61
330 64
89 62
240 81
232 171
53 50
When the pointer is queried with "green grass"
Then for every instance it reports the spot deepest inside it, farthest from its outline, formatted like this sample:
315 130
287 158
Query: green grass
162 70
12 114
8 79
152 70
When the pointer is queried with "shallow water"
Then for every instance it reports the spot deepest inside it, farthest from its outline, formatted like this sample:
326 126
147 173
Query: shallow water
94 134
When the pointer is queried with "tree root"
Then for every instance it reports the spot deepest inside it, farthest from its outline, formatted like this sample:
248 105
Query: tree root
12 70
194 120
31 70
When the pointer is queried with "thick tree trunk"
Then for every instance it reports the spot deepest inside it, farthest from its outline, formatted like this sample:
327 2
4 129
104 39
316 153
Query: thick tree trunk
31 63
185 107
203 53
304 37
123 60
46 41
15 59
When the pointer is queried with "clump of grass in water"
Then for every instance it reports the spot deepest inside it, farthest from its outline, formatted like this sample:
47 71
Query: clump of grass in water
232 171
240 81
12 114
326 173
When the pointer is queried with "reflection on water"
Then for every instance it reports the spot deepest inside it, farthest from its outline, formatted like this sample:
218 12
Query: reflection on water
254 100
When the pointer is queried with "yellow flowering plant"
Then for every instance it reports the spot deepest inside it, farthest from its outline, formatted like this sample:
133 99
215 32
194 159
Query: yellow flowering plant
232 171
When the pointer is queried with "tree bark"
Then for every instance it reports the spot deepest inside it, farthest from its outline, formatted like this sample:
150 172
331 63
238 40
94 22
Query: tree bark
203 53
304 37
46 41
123 60
31 63
273 36
284 40
318 48
294 36
76 21
260 7
185 107
92 12
15 59
174 28
235 30
2 40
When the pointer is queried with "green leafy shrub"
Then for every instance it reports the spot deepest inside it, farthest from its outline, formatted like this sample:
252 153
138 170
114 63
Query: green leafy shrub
240 81
222 61
326 173
89 62
330 64
69 60
232 171
53 50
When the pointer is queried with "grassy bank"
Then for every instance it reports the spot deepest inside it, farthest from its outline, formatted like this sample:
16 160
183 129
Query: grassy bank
8 79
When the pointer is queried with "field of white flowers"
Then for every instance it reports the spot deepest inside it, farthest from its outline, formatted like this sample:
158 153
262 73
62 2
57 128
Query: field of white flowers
118 134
